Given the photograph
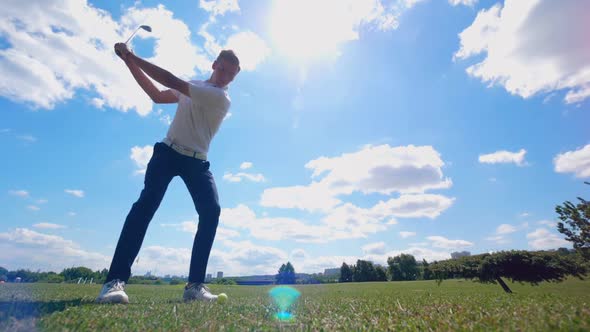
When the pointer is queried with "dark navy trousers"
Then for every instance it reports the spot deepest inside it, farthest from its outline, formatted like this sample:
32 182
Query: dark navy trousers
165 164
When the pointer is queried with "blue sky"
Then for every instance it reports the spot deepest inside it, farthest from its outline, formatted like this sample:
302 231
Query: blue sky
358 129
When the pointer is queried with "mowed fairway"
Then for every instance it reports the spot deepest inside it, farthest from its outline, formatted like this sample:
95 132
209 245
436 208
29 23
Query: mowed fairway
419 305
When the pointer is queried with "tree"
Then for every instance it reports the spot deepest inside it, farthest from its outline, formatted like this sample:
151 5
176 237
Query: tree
345 273
403 267
364 271
224 281
380 273
74 273
521 266
426 272
395 272
286 274
3 274
575 224
459 254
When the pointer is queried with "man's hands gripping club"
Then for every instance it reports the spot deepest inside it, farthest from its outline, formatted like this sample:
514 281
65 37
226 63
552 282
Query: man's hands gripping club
122 50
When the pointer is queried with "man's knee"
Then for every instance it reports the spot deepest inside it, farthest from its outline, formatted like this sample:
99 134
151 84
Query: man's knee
150 198
210 211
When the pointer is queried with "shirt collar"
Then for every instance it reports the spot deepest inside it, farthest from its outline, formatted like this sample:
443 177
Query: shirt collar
211 84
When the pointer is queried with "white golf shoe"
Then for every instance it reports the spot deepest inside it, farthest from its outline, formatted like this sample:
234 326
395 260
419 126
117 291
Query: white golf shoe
198 292
113 292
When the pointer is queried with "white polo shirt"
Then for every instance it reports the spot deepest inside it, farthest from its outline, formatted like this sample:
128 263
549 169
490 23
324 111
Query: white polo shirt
199 117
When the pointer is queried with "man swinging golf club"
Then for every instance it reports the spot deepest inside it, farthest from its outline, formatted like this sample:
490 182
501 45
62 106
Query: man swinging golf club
202 106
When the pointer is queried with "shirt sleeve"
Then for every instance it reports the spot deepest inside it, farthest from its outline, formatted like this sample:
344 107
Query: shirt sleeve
211 97
176 93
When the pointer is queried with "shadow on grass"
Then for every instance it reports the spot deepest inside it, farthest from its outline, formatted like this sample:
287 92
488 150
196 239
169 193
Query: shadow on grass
18 310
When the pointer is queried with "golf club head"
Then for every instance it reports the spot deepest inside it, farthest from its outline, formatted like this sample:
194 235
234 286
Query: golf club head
144 27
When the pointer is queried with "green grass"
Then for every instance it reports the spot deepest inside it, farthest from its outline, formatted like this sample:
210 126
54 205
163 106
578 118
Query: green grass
420 306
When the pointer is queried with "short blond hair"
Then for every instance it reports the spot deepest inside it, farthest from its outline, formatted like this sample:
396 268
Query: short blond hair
230 56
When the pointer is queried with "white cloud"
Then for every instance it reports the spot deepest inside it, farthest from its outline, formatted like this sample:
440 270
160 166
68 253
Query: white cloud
238 177
504 157
42 201
414 206
33 208
19 193
59 47
407 234
141 157
185 226
191 226
577 162
378 248
281 228
531 46
498 239
419 253
75 192
469 3
24 248
524 215
354 221
541 239
314 38
245 257
505 229
71 214
382 169
219 7
374 169
548 223
442 242
245 165
298 254
166 119
27 138
314 197
46 225
249 48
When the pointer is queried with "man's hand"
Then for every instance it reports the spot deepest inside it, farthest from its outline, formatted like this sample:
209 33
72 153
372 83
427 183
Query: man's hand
122 50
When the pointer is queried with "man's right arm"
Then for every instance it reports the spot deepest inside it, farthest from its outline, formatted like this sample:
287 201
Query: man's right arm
157 96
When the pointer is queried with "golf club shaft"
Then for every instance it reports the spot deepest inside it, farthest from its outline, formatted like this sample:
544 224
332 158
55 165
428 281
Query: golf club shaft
128 39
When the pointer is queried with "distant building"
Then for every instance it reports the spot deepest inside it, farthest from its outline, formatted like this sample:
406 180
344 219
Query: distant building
148 274
332 272
219 274
208 277
18 279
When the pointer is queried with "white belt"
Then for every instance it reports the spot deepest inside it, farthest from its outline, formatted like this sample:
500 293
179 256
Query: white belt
184 151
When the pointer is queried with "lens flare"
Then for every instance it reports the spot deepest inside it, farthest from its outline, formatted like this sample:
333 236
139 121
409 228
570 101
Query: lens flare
284 297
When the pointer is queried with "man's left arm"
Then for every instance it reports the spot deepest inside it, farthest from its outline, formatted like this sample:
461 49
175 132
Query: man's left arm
160 75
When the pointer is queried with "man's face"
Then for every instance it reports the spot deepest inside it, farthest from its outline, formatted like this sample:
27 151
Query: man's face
224 72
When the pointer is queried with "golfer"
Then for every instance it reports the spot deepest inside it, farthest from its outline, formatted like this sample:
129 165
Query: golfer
202 106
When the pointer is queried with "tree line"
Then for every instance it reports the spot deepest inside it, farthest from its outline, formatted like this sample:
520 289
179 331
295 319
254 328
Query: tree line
399 268
71 274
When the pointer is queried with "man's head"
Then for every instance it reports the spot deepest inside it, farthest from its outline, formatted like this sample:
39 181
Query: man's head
225 68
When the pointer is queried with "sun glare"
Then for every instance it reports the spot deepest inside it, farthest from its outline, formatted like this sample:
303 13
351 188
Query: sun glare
303 30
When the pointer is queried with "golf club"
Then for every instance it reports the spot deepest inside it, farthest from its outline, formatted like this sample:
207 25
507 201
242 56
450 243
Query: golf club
144 27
